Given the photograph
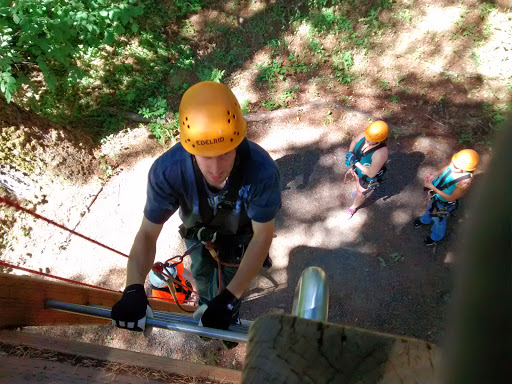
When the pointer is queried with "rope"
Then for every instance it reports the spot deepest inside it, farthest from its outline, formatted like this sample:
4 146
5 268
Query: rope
38 216
54 277
7 265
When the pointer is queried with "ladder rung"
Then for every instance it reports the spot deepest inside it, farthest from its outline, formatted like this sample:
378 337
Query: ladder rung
164 320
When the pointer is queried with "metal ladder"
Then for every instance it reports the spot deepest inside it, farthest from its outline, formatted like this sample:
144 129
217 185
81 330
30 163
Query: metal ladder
310 301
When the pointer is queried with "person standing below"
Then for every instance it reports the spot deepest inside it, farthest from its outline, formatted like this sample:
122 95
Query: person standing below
445 189
228 192
367 157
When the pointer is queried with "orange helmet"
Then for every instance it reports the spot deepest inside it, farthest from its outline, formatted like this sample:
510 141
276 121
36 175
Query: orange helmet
211 120
467 159
376 131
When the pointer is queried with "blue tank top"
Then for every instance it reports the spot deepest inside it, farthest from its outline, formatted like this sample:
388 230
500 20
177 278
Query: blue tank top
366 158
446 177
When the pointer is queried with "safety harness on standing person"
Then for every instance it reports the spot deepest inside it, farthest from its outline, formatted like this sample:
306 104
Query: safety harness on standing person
373 182
439 207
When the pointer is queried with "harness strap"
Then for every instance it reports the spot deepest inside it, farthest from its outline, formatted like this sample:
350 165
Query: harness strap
224 209
360 154
442 185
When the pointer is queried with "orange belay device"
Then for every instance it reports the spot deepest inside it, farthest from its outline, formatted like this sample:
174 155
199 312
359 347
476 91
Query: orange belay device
168 283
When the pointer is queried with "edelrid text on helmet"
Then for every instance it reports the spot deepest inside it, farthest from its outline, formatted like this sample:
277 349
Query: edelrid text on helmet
211 120
376 131
467 159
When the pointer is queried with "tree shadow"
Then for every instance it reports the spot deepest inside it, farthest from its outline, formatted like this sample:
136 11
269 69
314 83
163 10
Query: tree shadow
299 165
368 291
402 170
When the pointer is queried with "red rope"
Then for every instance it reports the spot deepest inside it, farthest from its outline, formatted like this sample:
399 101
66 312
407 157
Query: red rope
36 215
54 277
3 263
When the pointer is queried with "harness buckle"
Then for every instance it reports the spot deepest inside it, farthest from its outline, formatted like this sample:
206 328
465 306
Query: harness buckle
210 237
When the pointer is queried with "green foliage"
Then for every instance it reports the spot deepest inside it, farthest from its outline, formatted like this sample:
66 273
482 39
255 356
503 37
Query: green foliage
157 107
324 20
108 170
466 137
244 105
476 58
384 85
315 45
282 101
342 62
486 9
269 104
404 14
156 110
395 99
495 114
278 69
52 33
210 74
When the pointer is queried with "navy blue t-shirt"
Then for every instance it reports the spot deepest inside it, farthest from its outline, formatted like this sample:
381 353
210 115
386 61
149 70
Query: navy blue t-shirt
172 185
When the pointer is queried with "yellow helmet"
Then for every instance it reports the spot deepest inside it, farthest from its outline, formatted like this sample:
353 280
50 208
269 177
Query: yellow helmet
376 131
467 159
211 120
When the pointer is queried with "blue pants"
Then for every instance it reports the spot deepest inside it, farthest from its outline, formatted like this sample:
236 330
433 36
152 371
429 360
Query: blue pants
439 223
205 271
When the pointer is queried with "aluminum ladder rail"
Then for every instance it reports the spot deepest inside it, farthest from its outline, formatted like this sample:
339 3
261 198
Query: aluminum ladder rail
311 299
165 320
310 302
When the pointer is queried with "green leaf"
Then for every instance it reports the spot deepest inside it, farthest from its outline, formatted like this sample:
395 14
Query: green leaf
104 13
51 80
118 29
109 38
125 18
43 44
135 27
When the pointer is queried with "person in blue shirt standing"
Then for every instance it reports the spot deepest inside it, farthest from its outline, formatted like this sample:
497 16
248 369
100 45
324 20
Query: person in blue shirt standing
228 192
445 189
367 156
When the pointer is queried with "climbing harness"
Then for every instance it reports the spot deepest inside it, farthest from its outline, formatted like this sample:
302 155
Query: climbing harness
373 182
438 207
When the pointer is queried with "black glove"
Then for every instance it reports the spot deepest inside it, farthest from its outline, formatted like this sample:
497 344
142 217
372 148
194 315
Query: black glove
132 310
220 311
351 159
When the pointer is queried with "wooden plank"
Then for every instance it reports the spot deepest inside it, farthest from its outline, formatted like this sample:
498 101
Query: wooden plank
121 356
15 370
22 299
286 349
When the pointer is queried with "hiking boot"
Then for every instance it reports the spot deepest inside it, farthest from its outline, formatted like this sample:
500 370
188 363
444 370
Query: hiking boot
418 223
429 242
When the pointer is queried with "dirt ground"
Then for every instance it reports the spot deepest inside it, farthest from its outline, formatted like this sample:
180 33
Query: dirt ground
380 274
